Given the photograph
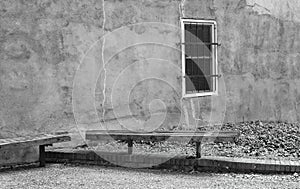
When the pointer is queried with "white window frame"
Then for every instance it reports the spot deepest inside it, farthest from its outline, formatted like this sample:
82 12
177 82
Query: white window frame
214 57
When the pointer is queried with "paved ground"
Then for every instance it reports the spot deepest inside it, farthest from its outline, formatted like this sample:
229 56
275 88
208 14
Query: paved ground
69 176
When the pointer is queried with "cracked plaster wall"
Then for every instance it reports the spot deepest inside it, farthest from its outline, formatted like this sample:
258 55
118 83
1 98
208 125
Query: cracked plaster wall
43 42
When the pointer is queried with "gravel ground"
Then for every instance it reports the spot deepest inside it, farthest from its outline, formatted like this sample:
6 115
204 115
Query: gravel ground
71 176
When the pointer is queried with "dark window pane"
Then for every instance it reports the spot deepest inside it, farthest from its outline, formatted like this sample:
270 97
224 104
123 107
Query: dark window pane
199 74
198 57
197 32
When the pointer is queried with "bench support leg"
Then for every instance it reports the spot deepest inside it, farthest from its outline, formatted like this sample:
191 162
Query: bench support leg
42 156
130 145
198 149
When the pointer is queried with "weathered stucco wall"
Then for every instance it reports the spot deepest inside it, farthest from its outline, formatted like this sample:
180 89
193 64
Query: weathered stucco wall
51 63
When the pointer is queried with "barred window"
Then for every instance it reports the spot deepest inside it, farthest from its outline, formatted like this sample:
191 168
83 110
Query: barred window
199 57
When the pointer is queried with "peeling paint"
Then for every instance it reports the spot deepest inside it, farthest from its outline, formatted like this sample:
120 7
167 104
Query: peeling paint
193 109
286 10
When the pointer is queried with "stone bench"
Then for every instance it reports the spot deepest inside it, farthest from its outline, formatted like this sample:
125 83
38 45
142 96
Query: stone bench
40 140
192 137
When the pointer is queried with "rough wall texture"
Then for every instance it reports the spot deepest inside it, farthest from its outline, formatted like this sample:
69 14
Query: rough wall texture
49 49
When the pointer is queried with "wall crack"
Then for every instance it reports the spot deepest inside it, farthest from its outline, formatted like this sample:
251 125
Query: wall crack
181 9
103 62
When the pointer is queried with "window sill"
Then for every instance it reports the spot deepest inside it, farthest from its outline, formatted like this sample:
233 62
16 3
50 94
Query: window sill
200 94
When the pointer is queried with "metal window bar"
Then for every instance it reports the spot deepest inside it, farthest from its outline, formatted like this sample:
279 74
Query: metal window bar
201 43
199 57
191 46
197 50
217 76
203 61
210 61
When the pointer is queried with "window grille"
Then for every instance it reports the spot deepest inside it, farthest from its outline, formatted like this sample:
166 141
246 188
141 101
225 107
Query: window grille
199 58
